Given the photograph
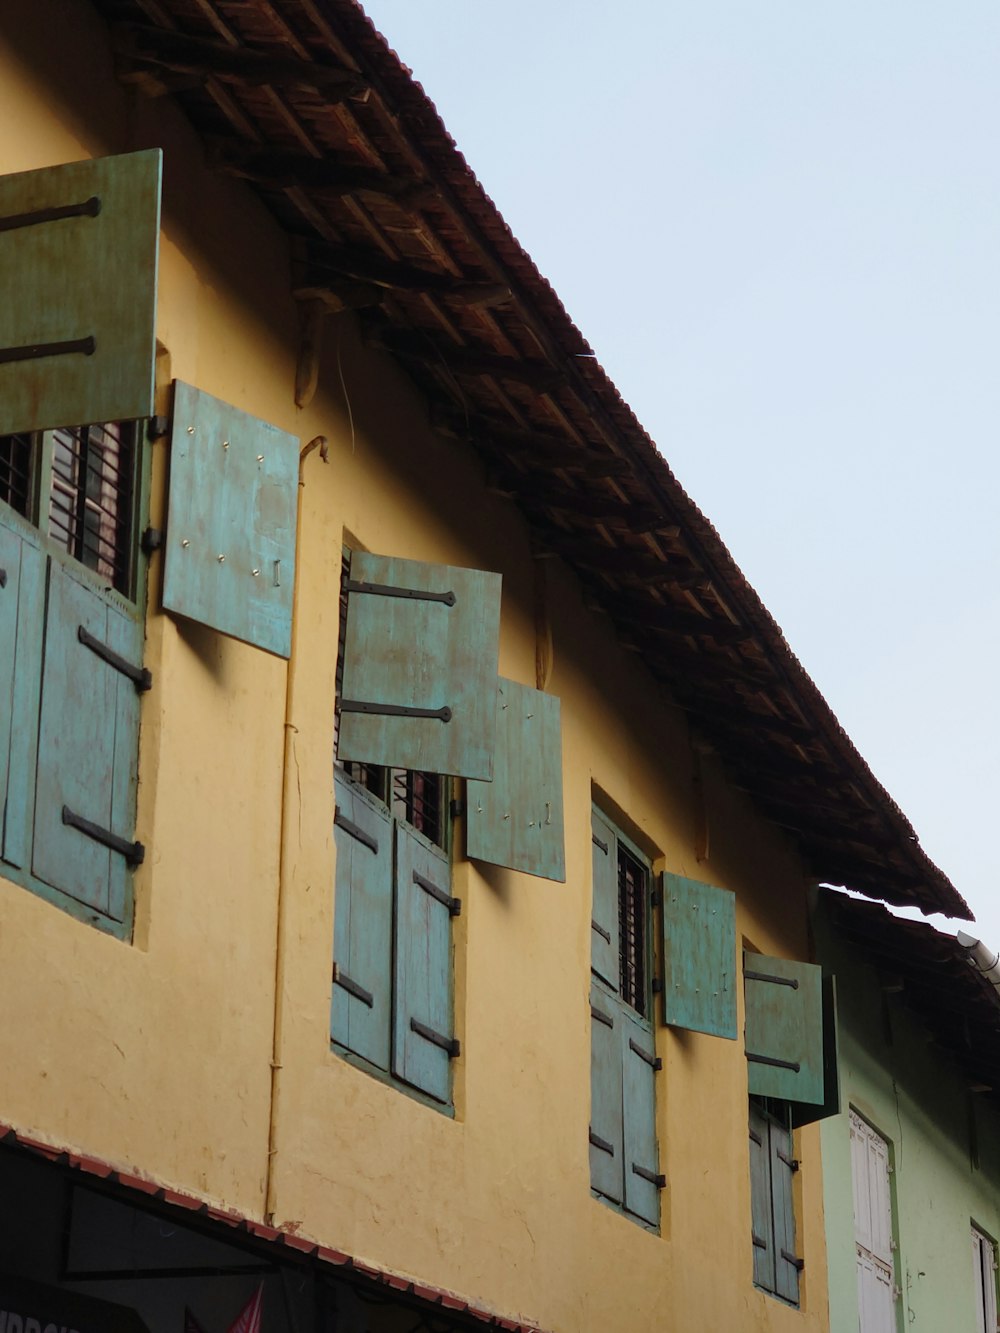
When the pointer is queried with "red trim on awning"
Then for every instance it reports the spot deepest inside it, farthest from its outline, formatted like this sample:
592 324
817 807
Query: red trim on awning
297 1244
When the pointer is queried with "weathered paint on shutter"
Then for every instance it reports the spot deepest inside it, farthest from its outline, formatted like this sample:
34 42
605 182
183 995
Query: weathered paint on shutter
784 1028
786 1264
607 1144
761 1221
428 645
230 557
642 1193
361 1003
872 1227
22 619
87 744
423 1036
802 1112
517 819
604 929
699 954
80 288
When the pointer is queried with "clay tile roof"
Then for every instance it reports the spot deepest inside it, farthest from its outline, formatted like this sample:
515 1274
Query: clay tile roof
304 100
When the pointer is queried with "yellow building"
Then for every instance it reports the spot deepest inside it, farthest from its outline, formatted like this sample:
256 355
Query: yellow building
451 1027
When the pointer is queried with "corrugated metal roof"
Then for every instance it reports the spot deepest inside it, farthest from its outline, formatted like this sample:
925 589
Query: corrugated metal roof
387 219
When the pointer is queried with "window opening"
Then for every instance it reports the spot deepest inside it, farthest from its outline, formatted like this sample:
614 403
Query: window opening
16 458
90 502
632 899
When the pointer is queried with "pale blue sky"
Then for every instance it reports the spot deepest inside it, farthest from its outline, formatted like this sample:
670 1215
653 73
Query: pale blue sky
778 224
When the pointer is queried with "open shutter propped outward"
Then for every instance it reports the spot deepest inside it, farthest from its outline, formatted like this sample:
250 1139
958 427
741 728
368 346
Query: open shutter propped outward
87 741
699 954
420 667
784 1028
604 927
517 819
362 933
607 1148
423 1037
78 261
22 603
230 558
643 1180
804 1113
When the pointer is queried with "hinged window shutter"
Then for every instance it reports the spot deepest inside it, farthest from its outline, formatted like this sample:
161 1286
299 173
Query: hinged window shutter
643 1181
517 819
230 557
420 666
802 1112
699 953
360 1018
761 1225
784 1028
604 927
424 1042
87 746
786 1261
22 605
78 261
607 1145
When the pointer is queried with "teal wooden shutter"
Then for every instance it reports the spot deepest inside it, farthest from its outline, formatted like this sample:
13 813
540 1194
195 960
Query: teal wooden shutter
230 557
786 1261
761 1221
420 666
517 819
784 1028
360 1005
699 954
607 1143
78 261
22 610
88 745
604 961
423 1037
643 1180
803 1113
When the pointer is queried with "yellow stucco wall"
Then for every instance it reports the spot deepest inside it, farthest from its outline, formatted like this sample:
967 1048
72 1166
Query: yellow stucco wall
157 1053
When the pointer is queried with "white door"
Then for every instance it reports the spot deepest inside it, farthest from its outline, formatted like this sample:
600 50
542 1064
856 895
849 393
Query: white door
984 1278
872 1229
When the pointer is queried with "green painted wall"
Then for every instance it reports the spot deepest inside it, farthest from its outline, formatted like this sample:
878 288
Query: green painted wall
916 1097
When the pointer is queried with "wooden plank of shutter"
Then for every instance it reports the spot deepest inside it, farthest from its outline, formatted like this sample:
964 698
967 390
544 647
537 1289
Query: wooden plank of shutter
786 1261
22 604
607 1144
78 316
802 1112
604 929
230 550
87 747
643 1181
423 1037
784 1028
761 1223
360 1002
699 953
420 666
517 819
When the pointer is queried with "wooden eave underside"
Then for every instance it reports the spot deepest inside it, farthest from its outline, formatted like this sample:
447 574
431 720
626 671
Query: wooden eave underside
930 975
302 99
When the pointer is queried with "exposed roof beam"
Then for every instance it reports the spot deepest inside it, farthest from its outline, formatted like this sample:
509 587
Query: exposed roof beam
277 170
326 266
436 355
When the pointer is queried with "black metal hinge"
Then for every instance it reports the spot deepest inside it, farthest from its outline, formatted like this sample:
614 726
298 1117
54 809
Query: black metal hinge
773 1060
341 979
758 1241
777 981
794 1260
453 905
133 852
141 677
599 842
791 1162
35 351
88 209
653 1177
355 831
604 934
603 1144
654 1061
449 1044
3 578
393 710
410 594
599 1017
151 540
